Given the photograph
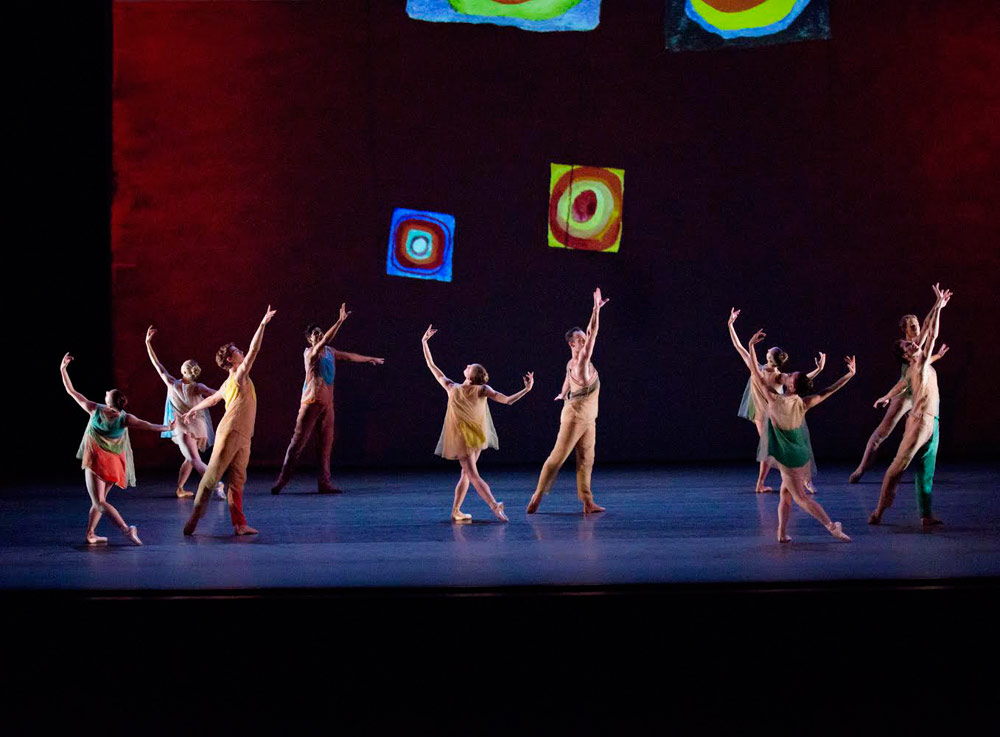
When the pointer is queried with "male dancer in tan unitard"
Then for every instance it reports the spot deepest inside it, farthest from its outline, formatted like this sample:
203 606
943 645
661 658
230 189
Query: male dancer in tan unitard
920 439
578 421
232 440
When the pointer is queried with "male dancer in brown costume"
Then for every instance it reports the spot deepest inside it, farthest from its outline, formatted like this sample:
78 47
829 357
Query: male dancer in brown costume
316 405
232 440
578 421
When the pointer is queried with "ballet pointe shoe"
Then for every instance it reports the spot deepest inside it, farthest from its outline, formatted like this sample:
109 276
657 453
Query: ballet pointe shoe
244 530
592 507
220 491
784 539
192 522
875 518
132 533
836 529
533 505
855 477
182 494
457 515
763 490
96 540
498 511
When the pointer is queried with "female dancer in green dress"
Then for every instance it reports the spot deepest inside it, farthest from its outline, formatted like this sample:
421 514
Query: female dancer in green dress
785 443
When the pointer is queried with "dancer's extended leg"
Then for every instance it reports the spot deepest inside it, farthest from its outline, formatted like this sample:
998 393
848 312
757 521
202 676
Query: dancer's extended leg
97 488
481 487
569 434
304 424
182 477
918 433
234 492
797 488
784 511
585 467
923 477
897 408
222 457
324 448
461 488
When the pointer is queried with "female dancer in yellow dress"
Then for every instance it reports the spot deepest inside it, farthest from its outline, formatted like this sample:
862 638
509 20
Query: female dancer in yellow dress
106 454
191 437
468 428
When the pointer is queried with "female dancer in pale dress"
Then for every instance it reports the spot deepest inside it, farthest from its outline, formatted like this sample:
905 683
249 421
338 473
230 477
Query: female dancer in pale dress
468 428
754 402
191 437
784 441
106 454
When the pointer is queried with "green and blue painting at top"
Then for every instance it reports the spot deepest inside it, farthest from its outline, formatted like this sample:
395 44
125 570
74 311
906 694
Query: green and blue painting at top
531 15
695 25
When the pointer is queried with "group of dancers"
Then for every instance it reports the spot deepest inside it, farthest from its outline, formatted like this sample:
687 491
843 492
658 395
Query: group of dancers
775 401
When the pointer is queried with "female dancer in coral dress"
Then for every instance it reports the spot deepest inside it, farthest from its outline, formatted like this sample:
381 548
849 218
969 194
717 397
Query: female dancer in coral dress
191 437
785 443
106 454
468 428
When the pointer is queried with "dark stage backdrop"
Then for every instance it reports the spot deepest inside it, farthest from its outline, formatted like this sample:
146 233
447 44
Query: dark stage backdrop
261 147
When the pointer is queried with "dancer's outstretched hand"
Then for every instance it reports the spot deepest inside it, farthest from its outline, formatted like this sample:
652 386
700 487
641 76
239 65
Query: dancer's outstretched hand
881 402
559 398
374 361
733 314
150 332
65 361
428 333
529 380
821 361
268 315
757 337
344 313
598 302
943 349
852 364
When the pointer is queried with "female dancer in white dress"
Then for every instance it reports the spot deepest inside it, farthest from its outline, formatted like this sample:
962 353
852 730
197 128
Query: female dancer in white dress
468 428
191 437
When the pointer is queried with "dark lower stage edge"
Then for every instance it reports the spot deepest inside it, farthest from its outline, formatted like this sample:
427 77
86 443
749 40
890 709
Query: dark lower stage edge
370 613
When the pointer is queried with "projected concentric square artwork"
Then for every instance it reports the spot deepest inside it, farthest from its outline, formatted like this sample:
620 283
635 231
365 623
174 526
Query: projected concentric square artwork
695 25
530 15
585 207
420 245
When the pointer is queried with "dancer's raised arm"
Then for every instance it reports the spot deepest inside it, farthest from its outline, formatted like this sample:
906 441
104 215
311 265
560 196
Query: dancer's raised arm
820 365
160 369
744 354
931 335
813 399
85 404
896 390
756 375
940 354
258 337
438 373
529 381
329 334
209 401
593 325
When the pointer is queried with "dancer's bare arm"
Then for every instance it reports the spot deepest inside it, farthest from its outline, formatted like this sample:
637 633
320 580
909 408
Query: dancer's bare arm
205 403
85 404
896 390
820 365
813 399
592 327
357 357
205 391
940 354
565 389
160 369
328 335
134 423
756 375
744 354
438 373
928 340
258 337
529 381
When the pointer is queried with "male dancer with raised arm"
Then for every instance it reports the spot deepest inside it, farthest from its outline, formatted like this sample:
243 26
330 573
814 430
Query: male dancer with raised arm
231 451
316 405
920 439
578 421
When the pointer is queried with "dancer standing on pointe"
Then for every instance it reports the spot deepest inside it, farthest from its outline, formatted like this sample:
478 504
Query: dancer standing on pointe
902 400
232 442
784 441
920 439
106 454
752 399
192 437
468 428
578 421
317 403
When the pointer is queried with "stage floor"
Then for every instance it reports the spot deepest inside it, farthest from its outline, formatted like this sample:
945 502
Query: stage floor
663 526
